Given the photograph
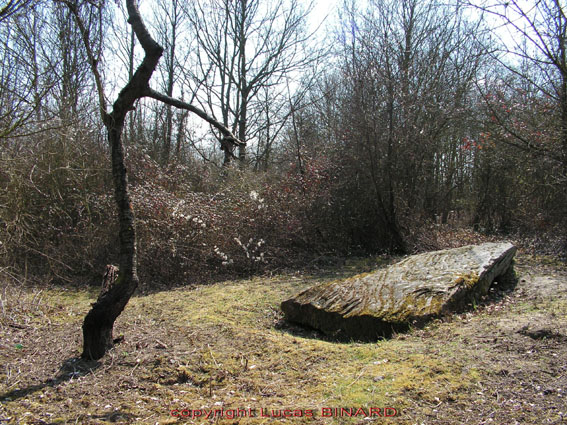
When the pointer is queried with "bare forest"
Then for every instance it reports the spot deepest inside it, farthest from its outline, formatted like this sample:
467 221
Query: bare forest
194 142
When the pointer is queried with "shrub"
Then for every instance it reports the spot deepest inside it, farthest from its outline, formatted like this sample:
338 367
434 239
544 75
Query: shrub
55 215
58 217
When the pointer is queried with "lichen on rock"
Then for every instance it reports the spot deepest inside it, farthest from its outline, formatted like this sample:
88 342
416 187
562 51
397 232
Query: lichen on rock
418 288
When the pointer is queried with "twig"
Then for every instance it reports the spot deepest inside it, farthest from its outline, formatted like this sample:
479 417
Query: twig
357 378
213 357
37 296
13 325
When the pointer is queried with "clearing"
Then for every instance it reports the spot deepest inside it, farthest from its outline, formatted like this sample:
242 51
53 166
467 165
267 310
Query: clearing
225 347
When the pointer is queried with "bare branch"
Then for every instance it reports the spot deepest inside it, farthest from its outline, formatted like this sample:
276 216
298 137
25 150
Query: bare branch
93 62
199 112
12 7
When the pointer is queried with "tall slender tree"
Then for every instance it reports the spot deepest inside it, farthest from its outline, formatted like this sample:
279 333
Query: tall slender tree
252 46
407 69
169 25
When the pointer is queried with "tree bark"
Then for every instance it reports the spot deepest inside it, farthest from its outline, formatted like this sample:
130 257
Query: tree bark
99 322
243 83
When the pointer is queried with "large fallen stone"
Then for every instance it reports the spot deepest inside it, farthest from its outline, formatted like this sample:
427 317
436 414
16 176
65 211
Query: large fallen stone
413 291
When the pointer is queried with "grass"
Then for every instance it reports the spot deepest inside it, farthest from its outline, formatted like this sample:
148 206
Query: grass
225 347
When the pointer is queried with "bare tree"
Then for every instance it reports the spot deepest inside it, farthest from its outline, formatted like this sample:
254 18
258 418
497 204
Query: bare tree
99 322
28 73
169 25
523 105
245 47
408 69
532 47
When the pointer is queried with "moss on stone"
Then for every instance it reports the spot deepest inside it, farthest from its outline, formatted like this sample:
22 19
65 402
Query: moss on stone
416 289
467 279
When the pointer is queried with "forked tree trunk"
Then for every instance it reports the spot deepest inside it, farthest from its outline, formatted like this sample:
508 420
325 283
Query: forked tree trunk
99 322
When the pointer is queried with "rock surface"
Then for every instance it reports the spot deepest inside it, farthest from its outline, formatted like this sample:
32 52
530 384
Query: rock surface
418 288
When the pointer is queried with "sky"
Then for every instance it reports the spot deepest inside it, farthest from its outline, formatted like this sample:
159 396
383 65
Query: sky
321 19
323 9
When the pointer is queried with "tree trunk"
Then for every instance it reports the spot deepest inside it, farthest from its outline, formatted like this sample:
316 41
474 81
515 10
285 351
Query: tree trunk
228 153
98 324
243 84
180 133
169 89
242 133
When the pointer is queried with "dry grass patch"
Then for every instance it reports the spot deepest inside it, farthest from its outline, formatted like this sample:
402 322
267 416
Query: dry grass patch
224 346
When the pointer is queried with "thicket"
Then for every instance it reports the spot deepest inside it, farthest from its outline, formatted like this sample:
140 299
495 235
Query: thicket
194 222
197 222
413 131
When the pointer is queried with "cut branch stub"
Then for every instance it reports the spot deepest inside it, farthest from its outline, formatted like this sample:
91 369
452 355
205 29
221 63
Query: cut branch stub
110 276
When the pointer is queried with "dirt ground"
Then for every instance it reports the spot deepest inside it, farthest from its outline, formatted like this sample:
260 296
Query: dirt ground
223 350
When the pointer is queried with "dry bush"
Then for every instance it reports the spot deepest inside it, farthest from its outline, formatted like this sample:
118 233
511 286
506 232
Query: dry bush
55 219
253 224
19 305
195 222
58 217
